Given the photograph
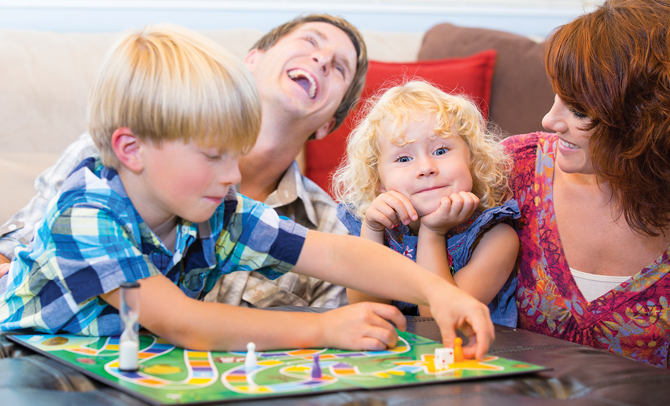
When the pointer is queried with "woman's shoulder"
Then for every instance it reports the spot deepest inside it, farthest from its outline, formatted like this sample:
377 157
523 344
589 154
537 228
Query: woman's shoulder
522 145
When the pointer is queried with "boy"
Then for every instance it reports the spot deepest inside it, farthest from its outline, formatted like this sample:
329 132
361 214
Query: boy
171 113
270 171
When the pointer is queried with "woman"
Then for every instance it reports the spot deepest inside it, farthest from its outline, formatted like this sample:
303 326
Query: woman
595 195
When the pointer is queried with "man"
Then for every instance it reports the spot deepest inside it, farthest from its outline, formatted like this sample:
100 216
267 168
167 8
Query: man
309 73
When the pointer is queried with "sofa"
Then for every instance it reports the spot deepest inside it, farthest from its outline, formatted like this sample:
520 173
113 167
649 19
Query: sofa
45 78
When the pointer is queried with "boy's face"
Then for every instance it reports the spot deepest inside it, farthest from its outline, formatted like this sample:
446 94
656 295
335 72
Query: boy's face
187 180
306 73
427 168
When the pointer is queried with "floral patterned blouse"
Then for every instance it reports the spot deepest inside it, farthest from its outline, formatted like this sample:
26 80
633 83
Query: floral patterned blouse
632 320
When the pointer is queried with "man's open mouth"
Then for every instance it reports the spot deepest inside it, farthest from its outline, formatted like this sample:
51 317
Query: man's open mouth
305 80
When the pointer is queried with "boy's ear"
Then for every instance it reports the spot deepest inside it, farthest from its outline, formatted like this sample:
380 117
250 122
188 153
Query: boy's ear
126 147
252 59
325 129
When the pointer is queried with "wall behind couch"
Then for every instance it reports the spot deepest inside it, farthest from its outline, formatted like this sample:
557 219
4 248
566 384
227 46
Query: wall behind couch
525 17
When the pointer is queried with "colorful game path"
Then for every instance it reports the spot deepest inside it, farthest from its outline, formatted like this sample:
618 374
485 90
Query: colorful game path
171 375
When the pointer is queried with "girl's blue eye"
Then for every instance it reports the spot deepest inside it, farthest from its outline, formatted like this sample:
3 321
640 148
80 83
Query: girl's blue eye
440 151
404 159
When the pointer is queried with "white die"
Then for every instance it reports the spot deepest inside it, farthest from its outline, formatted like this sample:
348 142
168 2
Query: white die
443 357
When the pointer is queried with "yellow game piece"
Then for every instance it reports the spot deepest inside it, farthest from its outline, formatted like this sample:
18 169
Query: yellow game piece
458 350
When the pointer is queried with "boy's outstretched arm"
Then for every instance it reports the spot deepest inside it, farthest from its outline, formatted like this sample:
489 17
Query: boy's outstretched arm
379 271
166 311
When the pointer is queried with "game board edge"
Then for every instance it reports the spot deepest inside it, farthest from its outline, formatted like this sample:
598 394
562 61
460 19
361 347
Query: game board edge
155 402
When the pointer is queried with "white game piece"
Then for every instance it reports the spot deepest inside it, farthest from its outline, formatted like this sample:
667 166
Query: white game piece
443 357
251 361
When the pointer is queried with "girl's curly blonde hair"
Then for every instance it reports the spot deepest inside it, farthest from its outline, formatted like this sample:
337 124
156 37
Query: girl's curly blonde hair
389 113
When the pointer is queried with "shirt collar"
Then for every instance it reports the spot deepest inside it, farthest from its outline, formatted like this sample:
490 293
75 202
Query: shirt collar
291 190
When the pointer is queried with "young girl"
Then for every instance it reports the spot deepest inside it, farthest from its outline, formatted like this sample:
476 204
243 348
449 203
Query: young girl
422 173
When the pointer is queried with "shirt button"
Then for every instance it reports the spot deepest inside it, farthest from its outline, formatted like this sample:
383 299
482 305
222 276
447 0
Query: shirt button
11 227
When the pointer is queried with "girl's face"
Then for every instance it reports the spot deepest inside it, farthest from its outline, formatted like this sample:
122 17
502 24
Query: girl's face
573 144
427 168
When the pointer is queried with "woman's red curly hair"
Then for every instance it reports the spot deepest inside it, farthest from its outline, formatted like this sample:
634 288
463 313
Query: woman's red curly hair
613 64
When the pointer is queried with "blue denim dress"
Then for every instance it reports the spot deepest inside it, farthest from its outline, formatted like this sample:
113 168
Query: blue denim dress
459 247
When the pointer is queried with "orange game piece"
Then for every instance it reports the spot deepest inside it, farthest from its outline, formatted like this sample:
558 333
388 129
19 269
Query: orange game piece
458 350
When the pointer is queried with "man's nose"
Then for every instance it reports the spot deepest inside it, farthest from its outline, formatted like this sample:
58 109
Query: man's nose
323 58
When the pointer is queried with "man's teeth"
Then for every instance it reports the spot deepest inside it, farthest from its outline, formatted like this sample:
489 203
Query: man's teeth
299 73
569 145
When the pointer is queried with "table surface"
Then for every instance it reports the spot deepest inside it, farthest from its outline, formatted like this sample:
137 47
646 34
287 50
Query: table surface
579 375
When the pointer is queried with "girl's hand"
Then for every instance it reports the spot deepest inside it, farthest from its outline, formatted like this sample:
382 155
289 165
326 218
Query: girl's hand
388 210
453 211
362 326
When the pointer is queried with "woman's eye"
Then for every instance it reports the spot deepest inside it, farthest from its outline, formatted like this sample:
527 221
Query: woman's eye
403 159
311 40
213 157
340 69
578 114
440 151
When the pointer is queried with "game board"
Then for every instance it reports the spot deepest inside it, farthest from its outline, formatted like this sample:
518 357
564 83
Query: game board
172 375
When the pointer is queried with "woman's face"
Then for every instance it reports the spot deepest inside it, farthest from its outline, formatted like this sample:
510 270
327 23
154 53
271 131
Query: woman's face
573 144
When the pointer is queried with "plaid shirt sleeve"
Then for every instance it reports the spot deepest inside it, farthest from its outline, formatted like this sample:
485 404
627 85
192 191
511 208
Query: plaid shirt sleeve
20 228
84 251
255 238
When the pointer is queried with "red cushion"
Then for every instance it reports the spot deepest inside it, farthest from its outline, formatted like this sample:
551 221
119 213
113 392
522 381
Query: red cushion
470 75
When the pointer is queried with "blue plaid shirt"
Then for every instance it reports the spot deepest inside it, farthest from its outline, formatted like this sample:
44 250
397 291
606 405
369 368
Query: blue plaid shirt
92 239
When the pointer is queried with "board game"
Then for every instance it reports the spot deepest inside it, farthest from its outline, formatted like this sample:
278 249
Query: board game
173 375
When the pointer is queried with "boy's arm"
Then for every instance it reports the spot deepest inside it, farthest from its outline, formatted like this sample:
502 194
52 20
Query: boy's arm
379 271
492 261
20 229
190 323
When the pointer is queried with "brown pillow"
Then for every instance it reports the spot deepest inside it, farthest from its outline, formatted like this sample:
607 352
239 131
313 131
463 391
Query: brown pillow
520 94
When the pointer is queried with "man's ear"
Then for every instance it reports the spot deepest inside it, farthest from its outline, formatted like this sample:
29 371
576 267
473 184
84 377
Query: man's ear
252 59
126 147
325 129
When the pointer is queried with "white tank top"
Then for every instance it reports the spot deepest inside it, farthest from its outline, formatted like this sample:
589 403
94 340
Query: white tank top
593 286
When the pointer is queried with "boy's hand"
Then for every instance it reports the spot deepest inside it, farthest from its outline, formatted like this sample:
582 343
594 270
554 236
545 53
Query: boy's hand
457 310
453 211
388 210
4 268
362 326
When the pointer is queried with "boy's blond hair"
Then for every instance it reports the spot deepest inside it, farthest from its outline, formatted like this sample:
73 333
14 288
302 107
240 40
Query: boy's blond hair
356 182
169 83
